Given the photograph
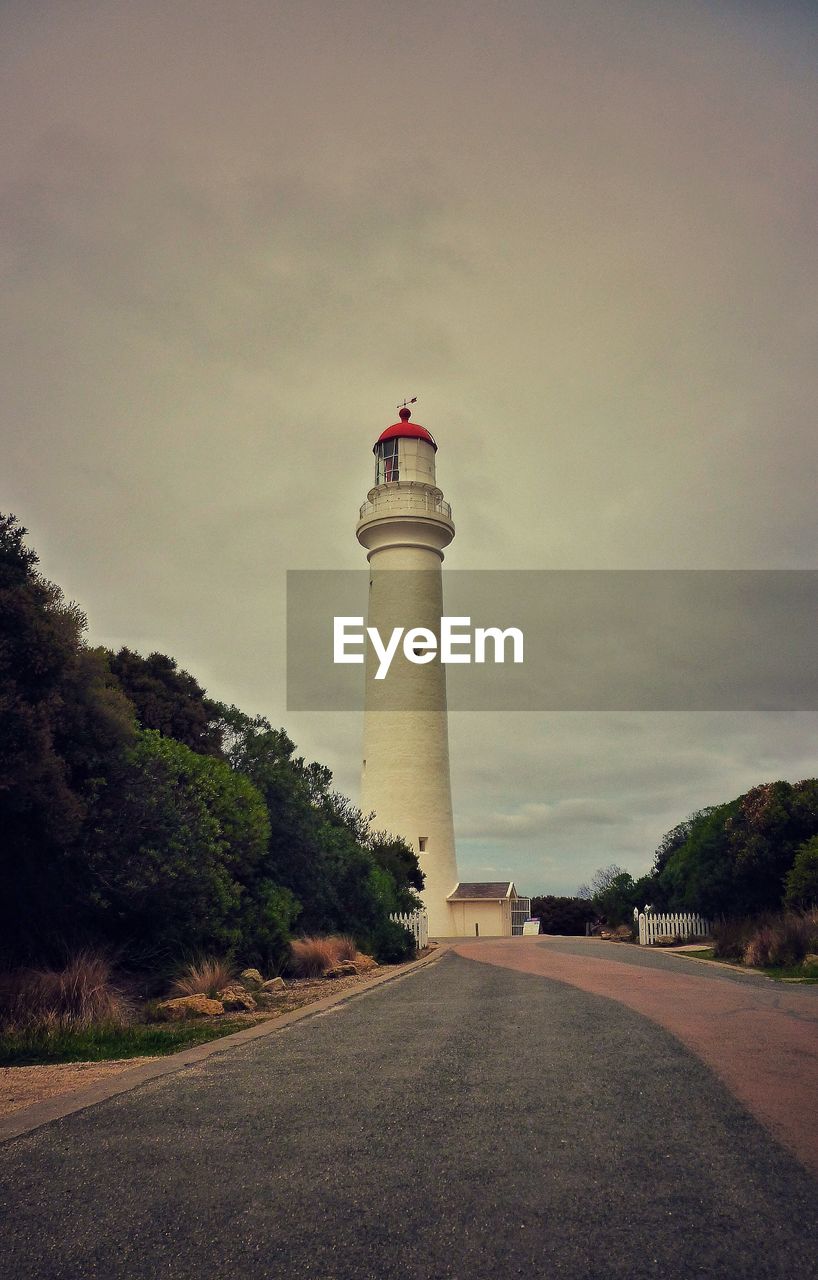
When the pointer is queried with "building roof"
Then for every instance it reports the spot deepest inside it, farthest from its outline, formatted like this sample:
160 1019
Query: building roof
406 430
473 890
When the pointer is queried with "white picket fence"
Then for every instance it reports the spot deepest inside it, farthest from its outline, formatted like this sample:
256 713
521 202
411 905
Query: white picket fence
418 925
681 924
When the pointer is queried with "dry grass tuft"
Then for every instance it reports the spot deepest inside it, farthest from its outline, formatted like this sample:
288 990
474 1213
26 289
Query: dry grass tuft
80 995
760 946
345 947
309 957
204 977
769 941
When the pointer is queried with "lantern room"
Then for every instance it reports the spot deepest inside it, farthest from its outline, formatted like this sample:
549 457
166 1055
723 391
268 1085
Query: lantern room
405 452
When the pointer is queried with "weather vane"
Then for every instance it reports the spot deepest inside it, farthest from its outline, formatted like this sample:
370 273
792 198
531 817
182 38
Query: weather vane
406 403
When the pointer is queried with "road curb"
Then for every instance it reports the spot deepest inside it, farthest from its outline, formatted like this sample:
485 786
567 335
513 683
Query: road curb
39 1114
741 970
717 964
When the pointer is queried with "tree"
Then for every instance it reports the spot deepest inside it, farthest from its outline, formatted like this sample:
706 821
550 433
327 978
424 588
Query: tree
601 880
698 875
735 858
769 825
320 847
169 700
394 855
176 858
614 893
801 885
63 721
676 837
562 915
616 900
40 644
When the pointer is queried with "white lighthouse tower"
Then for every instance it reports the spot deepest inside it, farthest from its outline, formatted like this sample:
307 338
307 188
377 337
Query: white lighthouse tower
405 525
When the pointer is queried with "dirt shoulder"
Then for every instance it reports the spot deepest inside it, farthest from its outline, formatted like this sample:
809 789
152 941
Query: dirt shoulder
22 1086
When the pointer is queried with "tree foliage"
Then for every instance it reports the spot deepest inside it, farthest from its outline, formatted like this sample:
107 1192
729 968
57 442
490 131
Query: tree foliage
175 860
320 846
168 700
614 894
735 858
562 915
136 810
62 721
801 886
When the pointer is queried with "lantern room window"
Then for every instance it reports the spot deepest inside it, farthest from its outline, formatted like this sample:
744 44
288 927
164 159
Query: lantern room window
387 462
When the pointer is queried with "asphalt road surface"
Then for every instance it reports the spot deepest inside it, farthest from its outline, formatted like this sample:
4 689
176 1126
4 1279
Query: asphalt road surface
469 1120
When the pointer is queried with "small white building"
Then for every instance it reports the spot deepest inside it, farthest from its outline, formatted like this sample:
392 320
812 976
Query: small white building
483 909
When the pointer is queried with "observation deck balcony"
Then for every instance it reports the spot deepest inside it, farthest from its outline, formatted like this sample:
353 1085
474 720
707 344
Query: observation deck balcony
401 500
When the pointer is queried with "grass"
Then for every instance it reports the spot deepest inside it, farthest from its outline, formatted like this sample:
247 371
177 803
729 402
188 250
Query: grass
773 940
79 1014
311 956
100 1043
204 977
346 947
81 994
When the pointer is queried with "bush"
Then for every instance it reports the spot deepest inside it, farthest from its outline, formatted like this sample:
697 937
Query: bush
562 915
204 977
783 941
731 937
309 957
759 949
772 940
391 943
80 995
346 948
802 880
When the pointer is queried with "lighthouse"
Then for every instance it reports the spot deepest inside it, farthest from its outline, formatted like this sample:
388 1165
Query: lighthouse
405 524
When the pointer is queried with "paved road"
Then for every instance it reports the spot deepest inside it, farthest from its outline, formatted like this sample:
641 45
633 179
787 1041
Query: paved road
759 1036
469 1120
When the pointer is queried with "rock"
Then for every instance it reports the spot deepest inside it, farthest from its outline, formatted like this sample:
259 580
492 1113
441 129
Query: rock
365 963
345 969
266 1000
237 1000
811 960
666 940
274 984
188 1007
252 978
623 933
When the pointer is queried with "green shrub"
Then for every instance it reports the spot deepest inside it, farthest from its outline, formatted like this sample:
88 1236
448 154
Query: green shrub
801 884
391 943
562 915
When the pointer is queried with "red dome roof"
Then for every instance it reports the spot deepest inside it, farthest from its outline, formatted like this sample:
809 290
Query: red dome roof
406 430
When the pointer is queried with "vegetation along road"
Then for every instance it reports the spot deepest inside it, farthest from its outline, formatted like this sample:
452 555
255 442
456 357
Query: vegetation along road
520 1108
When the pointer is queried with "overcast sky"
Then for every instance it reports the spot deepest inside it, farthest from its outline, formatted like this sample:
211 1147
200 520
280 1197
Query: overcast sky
235 234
